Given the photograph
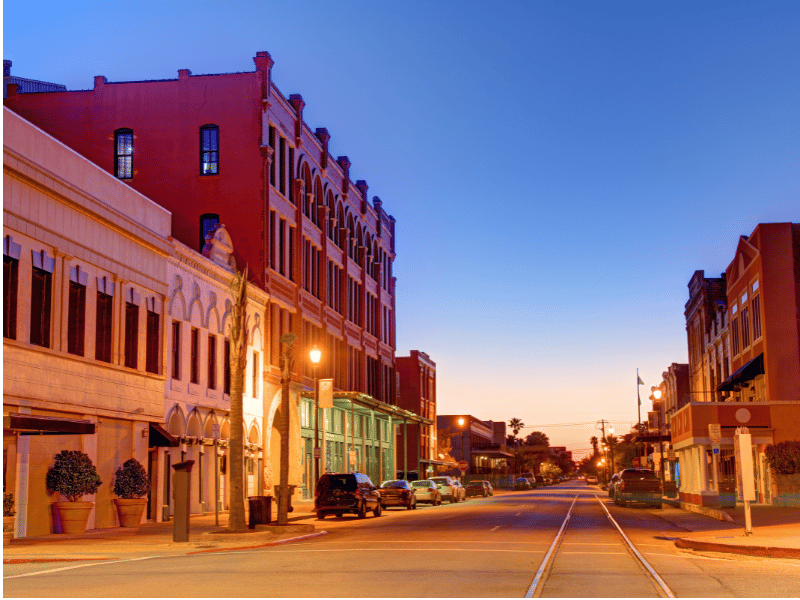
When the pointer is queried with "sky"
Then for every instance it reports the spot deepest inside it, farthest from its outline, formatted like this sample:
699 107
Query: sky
557 170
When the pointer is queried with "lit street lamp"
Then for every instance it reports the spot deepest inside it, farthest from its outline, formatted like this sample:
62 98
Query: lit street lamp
657 396
315 355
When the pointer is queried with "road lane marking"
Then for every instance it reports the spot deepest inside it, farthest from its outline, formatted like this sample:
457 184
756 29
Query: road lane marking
495 528
76 567
540 572
296 550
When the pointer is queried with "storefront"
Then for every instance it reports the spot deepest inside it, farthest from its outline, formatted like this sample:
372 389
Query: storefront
355 435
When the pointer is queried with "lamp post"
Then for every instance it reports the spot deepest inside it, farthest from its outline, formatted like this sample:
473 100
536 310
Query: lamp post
464 455
315 355
657 396
611 448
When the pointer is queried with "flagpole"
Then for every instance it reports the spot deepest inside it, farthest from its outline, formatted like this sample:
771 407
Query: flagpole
638 398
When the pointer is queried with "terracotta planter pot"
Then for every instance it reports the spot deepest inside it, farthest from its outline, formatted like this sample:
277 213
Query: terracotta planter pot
73 515
129 511
8 530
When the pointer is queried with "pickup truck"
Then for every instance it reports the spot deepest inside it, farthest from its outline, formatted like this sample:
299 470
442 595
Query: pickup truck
638 485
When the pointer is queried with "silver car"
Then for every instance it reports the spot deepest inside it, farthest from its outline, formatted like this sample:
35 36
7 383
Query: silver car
427 492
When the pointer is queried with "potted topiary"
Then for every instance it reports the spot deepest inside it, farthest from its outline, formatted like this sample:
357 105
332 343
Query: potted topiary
8 518
73 475
131 484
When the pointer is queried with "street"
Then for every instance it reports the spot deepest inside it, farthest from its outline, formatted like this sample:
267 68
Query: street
492 547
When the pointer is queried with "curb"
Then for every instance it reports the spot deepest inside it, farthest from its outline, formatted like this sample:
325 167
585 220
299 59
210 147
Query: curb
763 551
267 545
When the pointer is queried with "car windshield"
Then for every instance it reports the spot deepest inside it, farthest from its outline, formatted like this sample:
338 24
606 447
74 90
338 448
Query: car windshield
396 483
638 475
439 480
339 482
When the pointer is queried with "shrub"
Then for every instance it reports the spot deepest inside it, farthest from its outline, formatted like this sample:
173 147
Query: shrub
131 480
73 475
8 505
784 458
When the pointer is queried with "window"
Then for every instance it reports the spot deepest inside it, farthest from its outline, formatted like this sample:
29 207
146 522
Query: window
10 278
745 326
209 150
207 222
756 306
131 335
151 360
195 356
212 361
735 335
255 374
102 345
226 368
76 318
176 350
123 153
41 284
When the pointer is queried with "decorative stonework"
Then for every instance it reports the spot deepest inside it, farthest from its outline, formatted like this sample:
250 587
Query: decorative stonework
219 247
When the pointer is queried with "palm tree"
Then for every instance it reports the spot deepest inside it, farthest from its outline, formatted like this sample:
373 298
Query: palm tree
238 290
537 438
287 363
516 424
594 441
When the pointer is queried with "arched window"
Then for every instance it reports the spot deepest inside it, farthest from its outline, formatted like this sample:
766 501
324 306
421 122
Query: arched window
209 150
309 189
123 153
207 223
339 225
317 202
331 215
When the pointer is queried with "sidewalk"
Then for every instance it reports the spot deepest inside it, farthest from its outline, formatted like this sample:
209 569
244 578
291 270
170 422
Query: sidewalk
156 539
776 530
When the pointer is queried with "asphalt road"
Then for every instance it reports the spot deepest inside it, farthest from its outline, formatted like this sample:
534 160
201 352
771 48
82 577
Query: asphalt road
492 547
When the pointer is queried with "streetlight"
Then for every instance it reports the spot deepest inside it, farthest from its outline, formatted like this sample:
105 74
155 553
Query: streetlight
464 455
315 355
657 396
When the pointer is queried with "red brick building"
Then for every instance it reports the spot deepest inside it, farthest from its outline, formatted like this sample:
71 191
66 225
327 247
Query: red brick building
231 148
416 375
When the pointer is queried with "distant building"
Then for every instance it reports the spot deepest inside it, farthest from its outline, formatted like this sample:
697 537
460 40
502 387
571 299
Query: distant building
475 442
27 86
416 444
707 336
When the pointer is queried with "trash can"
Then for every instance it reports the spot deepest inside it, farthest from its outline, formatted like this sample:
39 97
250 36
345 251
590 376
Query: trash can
260 511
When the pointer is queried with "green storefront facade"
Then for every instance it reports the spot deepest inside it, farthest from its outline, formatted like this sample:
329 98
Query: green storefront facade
356 435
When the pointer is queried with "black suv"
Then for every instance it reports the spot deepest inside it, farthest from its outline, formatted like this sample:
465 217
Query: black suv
340 493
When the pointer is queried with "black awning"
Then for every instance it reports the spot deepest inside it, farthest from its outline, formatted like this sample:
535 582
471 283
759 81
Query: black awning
161 437
748 371
41 425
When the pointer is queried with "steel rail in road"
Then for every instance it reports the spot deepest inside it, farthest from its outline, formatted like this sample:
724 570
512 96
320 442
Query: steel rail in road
650 570
551 552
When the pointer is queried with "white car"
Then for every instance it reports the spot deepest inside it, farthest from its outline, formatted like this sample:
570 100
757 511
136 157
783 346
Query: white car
427 491
591 479
447 486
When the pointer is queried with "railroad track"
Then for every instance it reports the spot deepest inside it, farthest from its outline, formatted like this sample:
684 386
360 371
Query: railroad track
591 556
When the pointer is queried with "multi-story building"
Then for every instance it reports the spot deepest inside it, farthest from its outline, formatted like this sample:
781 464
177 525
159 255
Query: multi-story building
478 443
416 375
231 148
27 86
707 336
84 271
763 389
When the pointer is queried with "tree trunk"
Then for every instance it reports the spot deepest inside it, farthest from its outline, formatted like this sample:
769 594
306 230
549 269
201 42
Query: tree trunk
287 363
236 518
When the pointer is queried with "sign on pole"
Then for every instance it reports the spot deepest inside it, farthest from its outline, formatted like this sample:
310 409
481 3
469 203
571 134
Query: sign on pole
463 465
715 433
352 458
215 431
326 393
317 452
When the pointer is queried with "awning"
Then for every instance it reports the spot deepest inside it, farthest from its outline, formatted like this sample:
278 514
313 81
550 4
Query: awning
41 425
363 402
744 373
161 437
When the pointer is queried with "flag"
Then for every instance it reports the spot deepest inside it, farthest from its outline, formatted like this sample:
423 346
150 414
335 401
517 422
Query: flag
639 380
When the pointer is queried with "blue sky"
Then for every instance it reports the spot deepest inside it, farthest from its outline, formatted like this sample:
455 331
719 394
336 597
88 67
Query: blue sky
558 170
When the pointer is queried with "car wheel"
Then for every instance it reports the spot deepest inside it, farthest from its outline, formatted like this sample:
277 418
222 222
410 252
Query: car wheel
485 494
320 515
621 502
378 510
414 505
438 502
362 510
657 506
339 515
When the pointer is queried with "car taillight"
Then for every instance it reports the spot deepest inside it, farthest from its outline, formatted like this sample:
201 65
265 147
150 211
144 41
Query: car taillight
621 486
359 495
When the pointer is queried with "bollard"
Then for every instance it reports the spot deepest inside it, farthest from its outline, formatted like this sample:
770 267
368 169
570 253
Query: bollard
181 486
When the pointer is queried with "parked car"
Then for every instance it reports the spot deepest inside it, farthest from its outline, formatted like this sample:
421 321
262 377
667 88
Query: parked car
398 492
581 477
591 479
638 485
459 491
611 483
339 493
489 487
538 479
427 491
478 488
445 484
520 483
